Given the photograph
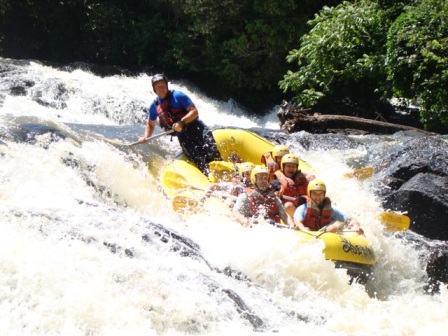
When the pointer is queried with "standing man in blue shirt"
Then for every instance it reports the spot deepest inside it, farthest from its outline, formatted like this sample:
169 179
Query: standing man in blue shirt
175 110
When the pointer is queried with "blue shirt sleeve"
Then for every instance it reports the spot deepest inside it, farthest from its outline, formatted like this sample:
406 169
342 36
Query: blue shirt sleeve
180 99
152 112
299 214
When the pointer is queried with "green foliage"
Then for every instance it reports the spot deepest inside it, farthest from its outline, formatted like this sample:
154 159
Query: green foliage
341 55
126 33
41 29
417 57
371 50
242 44
236 46
362 50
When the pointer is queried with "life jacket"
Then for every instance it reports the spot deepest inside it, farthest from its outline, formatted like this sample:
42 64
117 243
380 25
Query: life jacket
315 218
237 189
240 187
167 114
263 203
292 187
268 160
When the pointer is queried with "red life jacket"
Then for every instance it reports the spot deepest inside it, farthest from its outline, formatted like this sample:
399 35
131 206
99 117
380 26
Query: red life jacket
167 114
263 203
292 187
240 187
315 218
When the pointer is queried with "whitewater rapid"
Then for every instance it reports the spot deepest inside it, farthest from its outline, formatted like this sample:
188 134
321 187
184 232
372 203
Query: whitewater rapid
90 246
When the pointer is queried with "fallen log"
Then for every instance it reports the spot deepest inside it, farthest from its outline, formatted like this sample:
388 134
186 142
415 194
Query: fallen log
293 119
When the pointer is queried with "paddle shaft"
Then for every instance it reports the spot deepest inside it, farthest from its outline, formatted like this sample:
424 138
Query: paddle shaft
152 137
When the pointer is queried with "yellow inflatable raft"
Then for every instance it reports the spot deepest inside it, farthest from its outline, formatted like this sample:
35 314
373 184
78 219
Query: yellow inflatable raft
185 186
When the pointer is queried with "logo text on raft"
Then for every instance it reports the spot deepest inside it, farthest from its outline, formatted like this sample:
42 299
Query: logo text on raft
348 247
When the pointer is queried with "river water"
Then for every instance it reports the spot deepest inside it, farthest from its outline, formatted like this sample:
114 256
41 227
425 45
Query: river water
90 246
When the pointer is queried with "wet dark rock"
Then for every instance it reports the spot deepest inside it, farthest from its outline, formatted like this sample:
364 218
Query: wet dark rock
425 198
29 133
413 178
437 270
433 255
18 91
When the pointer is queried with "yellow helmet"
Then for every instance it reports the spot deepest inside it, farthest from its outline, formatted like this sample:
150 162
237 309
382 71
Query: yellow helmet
245 167
257 170
316 185
289 158
279 150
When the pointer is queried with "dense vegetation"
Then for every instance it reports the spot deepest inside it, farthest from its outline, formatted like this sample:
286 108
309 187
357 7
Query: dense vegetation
350 56
368 51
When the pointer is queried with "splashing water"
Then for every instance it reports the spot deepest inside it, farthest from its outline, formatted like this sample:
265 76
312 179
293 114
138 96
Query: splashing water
90 245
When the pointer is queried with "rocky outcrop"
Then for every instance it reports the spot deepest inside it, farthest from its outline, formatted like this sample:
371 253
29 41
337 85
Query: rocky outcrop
413 177
425 198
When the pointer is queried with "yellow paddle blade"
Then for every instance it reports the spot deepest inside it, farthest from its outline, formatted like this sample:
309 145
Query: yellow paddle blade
221 165
361 173
221 171
395 222
176 181
184 204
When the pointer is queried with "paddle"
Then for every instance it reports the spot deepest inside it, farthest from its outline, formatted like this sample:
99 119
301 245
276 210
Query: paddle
394 221
119 143
176 184
361 173
182 203
177 181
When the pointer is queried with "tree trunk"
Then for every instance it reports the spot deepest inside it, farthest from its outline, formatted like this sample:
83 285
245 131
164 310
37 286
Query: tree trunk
293 119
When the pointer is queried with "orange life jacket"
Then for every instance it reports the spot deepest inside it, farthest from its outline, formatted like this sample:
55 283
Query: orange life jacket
269 161
292 187
168 115
316 218
263 203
